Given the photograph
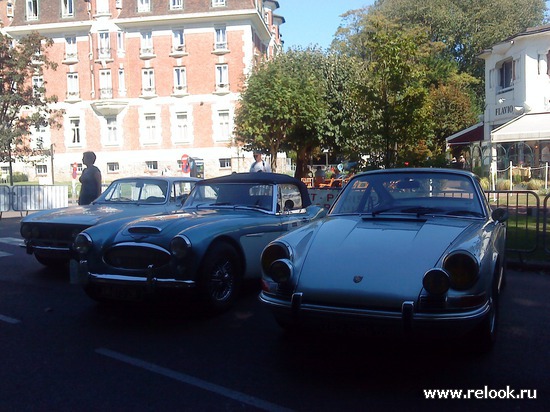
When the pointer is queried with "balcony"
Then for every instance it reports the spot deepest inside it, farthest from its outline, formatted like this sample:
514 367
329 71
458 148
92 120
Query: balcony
180 91
146 53
178 51
70 58
220 48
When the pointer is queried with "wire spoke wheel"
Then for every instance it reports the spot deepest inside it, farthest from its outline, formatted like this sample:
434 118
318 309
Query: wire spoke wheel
220 276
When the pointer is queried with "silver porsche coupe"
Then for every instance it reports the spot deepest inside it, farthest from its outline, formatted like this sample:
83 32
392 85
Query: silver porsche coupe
415 252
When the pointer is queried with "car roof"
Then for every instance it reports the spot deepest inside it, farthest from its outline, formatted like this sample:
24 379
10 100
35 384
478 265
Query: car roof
419 170
166 178
262 178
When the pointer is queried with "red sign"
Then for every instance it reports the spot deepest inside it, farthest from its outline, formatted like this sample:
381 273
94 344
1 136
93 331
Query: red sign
75 166
185 168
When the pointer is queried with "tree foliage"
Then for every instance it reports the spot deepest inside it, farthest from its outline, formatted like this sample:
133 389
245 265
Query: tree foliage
466 27
23 104
282 106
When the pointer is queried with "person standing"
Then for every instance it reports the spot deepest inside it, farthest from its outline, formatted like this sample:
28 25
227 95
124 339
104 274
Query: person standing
90 180
259 164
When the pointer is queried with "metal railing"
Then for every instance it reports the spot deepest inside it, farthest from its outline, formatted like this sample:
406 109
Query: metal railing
26 198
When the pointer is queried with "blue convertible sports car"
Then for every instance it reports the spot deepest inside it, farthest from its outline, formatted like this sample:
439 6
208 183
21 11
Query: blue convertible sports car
209 246
49 234
414 252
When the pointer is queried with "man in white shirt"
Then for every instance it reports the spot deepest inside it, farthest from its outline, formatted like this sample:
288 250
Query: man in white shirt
259 164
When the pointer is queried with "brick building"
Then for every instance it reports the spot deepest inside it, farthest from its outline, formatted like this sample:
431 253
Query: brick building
144 82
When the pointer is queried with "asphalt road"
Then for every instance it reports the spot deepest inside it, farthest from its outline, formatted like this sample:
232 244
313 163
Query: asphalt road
61 351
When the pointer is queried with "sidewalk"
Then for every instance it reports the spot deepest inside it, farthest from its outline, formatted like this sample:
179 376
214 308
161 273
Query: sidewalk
13 214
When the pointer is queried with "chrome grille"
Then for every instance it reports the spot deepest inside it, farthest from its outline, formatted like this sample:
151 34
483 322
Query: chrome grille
136 257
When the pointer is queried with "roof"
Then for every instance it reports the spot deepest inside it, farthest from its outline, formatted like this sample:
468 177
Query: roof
261 178
466 136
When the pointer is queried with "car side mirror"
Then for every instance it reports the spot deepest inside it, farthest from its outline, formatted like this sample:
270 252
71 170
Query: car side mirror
499 215
182 198
289 205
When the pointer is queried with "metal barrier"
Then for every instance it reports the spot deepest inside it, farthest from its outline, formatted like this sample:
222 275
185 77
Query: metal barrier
524 221
25 198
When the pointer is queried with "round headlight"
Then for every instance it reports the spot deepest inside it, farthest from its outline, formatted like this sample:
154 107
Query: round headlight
463 270
82 244
180 246
280 270
274 252
25 231
436 281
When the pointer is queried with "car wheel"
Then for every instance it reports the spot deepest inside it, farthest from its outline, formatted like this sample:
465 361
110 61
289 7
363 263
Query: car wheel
220 276
51 262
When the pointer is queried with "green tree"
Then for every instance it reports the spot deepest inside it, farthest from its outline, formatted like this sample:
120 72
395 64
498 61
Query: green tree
23 103
466 27
282 105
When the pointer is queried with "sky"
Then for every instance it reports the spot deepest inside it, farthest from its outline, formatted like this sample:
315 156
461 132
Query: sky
313 22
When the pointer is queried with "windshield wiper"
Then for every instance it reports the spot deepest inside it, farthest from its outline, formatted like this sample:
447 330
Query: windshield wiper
421 210
464 213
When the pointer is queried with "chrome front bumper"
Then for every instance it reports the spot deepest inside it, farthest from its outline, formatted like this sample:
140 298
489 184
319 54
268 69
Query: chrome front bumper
408 320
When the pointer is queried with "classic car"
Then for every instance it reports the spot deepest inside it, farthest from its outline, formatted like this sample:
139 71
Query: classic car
49 234
411 252
208 247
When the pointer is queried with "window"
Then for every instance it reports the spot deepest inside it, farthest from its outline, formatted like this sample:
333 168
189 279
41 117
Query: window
105 84
225 163
218 3
181 132
67 8
120 42
180 80
121 82
113 167
152 165
32 9
224 126
112 134
74 123
73 88
41 169
71 51
104 49
148 82
146 43
507 74
220 39
176 4
178 40
144 5
102 6
37 86
150 129
222 77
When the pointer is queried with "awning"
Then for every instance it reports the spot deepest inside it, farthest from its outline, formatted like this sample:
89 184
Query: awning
467 136
529 126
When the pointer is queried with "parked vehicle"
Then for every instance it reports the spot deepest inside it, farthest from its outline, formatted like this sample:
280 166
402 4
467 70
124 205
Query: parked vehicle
49 234
208 247
415 252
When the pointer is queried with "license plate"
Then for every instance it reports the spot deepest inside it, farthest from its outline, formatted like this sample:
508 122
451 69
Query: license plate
120 292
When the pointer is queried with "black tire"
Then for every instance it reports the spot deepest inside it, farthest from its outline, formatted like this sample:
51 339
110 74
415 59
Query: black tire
220 277
52 263
484 336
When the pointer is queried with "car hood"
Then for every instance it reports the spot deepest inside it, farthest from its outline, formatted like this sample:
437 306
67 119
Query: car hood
83 215
162 228
376 263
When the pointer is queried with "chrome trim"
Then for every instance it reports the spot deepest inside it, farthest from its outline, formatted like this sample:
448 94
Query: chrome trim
140 280
286 306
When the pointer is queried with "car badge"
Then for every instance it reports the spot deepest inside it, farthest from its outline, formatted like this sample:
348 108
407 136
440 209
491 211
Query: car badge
357 279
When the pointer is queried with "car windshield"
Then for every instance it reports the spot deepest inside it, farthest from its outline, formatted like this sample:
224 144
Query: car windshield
410 193
254 195
135 191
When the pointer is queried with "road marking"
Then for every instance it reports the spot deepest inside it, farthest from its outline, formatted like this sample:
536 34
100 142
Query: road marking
4 254
7 319
16 241
190 380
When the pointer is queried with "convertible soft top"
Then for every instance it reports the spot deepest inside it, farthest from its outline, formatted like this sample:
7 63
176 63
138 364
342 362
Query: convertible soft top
262 178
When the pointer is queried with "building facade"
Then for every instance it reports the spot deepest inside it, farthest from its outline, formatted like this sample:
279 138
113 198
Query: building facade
145 83
515 129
